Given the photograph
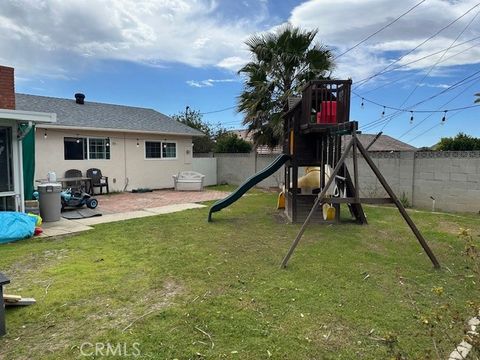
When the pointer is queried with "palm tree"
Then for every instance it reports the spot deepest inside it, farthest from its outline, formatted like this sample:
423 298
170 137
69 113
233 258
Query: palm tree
282 62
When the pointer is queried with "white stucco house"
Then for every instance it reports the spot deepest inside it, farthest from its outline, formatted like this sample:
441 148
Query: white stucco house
135 147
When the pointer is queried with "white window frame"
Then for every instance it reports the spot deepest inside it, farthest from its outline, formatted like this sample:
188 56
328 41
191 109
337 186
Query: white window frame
17 174
88 146
102 138
161 158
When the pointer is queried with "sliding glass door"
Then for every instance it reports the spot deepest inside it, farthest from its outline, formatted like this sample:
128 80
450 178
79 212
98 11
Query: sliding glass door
7 186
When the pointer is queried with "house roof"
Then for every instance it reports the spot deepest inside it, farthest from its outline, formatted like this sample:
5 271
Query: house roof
383 143
103 116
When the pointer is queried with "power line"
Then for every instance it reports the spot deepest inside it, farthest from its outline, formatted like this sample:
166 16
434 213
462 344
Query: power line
423 58
445 104
379 30
383 119
437 62
423 133
431 68
436 53
433 127
363 81
217 111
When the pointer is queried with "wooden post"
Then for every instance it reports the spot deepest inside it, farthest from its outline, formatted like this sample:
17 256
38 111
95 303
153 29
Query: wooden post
355 167
3 329
317 203
399 205
374 140
3 281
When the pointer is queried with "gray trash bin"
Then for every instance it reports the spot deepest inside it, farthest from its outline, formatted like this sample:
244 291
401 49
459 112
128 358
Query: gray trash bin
50 203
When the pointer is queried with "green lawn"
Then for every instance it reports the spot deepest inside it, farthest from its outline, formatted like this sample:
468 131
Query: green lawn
183 288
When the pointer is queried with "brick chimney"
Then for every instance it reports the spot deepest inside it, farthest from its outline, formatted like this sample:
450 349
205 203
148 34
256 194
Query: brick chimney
7 88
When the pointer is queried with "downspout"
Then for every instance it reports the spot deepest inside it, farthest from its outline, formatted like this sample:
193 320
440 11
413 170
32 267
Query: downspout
125 162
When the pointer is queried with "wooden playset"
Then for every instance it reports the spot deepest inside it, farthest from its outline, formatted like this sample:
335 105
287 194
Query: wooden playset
314 126
313 129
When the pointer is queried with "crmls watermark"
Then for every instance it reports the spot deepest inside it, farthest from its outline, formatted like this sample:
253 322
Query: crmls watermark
109 349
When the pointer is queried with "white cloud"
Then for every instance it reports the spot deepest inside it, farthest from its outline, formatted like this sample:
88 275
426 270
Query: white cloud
343 23
234 62
438 86
209 82
55 36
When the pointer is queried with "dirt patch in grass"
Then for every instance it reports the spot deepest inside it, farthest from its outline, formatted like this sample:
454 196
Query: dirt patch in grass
61 330
125 317
449 227
333 335
34 263
280 217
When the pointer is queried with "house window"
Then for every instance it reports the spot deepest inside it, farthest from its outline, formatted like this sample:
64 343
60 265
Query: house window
75 148
86 148
153 149
6 169
169 150
99 148
160 150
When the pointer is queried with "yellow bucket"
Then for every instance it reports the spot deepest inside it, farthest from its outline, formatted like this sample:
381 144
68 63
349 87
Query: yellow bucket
328 212
281 201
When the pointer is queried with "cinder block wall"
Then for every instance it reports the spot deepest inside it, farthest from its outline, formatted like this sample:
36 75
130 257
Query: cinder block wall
236 168
396 167
452 178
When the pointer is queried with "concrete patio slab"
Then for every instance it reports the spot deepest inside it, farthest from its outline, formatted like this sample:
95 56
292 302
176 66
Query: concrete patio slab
114 217
137 214
174 208
125 206
63 227
124 202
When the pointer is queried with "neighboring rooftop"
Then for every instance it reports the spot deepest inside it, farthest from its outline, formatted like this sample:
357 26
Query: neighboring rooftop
383 143
96 115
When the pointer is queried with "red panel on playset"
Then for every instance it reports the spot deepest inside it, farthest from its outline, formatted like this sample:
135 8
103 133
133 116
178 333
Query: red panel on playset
327 113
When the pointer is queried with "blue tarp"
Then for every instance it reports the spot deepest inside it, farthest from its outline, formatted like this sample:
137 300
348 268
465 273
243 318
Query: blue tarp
15 226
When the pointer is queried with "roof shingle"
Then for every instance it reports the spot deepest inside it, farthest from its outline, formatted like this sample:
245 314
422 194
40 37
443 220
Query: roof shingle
104 116
383 143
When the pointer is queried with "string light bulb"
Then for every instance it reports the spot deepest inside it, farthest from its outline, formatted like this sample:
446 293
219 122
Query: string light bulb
138 144
45 135
362 105
444 118
383 112
411 117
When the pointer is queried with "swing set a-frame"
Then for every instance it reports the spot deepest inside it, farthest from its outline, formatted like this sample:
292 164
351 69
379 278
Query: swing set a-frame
314 127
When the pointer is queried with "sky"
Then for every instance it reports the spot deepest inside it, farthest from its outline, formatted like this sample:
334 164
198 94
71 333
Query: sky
169 54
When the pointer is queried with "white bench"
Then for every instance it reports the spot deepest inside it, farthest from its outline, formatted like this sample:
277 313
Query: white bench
188 181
